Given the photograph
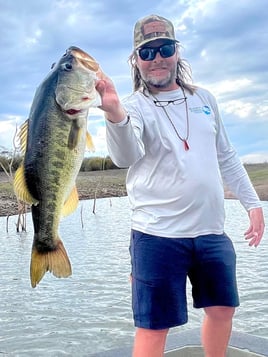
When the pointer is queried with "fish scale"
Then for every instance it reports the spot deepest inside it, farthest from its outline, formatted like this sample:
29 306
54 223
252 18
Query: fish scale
53 153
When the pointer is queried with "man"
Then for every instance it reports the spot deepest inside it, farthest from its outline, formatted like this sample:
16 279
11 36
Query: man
170 135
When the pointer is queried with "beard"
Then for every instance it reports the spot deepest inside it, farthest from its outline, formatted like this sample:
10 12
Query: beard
160 83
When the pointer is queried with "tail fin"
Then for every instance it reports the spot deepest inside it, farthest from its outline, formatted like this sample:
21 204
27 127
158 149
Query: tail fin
55 261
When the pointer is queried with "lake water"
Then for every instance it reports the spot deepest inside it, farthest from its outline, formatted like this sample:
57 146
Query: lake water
91 311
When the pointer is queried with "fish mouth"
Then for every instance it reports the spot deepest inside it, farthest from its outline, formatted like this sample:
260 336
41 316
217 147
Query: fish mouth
84 58
73 111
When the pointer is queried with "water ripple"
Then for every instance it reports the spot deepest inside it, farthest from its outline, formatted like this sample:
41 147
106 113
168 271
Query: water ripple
91 311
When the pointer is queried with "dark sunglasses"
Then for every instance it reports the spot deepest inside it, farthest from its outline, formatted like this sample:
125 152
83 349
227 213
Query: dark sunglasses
149 53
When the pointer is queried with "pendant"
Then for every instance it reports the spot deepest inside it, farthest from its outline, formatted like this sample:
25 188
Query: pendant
186 146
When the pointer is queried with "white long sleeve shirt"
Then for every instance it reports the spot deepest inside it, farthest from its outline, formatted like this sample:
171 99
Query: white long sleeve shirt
173 192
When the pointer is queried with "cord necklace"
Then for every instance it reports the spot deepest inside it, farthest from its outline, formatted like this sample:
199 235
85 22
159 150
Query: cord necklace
163 104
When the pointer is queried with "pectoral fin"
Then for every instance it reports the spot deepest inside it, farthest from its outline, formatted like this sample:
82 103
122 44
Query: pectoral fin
71 203
90 144
74 135
20 188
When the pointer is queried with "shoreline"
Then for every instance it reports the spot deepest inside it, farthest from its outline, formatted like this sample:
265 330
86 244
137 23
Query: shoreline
90 185
99 184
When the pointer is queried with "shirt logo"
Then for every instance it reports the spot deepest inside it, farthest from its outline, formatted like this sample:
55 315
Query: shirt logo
206 109
199 110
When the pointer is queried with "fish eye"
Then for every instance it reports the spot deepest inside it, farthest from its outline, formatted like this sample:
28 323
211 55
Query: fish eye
68 67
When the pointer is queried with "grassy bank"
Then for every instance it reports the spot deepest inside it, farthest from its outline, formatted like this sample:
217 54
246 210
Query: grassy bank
109 183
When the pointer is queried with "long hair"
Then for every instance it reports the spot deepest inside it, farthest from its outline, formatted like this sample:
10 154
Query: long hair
183 78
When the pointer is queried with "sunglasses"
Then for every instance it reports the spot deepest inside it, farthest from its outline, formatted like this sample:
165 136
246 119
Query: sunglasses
149 53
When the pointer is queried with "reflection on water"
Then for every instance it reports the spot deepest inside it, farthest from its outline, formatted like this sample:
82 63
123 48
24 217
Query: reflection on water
91 311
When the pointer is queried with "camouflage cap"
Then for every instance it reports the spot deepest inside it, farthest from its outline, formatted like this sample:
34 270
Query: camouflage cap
152 27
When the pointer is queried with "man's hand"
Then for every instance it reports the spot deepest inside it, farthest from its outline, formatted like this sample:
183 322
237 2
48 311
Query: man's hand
255 232
110 102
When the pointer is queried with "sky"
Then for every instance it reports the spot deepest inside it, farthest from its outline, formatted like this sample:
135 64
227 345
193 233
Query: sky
226 44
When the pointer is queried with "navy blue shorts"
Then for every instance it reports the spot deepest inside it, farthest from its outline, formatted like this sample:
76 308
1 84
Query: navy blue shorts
160 267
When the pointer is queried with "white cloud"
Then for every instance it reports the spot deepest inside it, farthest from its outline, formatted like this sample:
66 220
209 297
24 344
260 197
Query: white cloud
99 141
255 158
239 108
246 106
34 39
225 45
262 110
7 132
230 85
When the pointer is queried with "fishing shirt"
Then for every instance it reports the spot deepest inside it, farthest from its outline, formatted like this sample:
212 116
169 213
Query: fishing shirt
174 192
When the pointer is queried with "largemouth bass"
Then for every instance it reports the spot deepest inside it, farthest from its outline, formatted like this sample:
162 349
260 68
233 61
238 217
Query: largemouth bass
53 140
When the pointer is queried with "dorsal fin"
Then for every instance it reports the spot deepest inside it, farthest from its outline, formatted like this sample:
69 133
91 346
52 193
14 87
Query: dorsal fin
23 132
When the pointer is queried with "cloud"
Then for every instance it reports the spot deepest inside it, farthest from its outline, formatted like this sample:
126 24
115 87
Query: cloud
225 44
255 158
8 130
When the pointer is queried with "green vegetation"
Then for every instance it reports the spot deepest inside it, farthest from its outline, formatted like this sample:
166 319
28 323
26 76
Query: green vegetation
99 177
97 163
9 163
258 173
